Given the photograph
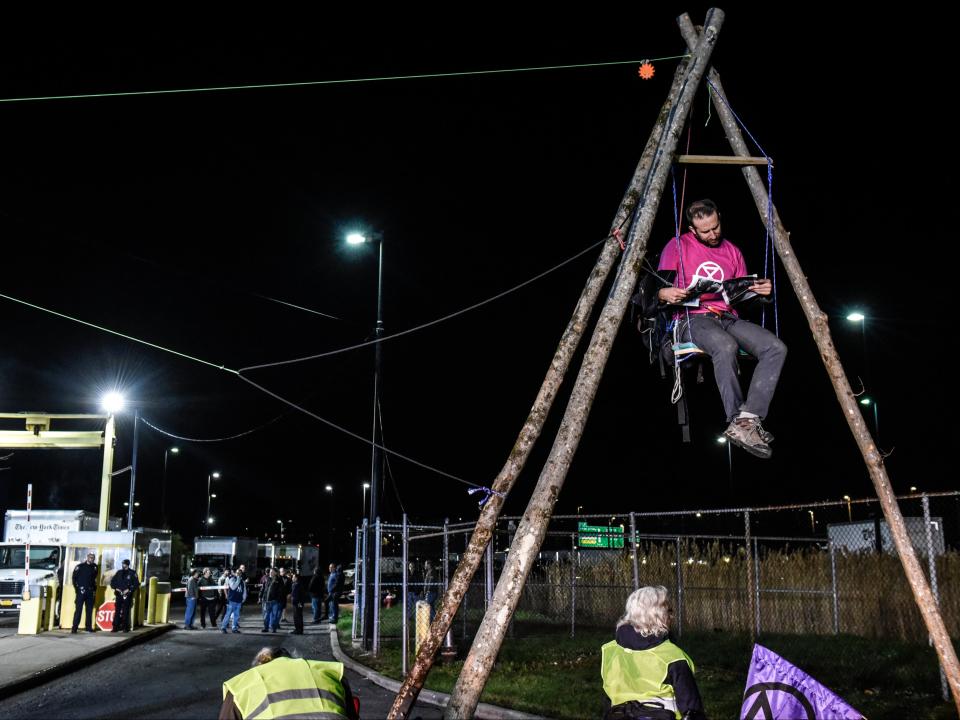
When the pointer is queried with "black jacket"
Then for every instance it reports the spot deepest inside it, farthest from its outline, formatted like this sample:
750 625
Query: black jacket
275 590
317 587
298 593
125 579
85 576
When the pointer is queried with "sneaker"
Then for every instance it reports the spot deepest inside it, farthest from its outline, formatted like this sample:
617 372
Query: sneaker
236 631
765 435
73 631
223 630
745 433
265 630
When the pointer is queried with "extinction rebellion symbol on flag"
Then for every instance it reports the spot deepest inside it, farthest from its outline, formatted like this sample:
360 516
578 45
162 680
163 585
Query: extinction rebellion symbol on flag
779 690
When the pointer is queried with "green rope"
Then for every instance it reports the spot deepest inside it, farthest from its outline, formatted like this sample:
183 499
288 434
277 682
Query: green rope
337 82
118 334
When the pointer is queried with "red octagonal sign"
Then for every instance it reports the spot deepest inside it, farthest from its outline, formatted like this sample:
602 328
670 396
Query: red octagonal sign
105 616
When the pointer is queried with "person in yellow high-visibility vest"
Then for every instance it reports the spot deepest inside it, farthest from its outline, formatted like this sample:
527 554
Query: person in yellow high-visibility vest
646 676
282 686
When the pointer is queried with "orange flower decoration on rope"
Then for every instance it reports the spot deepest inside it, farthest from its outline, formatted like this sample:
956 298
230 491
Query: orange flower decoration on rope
646 70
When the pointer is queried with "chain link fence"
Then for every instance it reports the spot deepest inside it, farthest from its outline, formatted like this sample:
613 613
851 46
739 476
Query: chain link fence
813 569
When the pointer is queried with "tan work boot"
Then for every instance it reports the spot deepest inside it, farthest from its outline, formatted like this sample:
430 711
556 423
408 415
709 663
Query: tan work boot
745 433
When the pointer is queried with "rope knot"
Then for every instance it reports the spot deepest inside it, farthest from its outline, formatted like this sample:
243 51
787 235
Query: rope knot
618 235
487 493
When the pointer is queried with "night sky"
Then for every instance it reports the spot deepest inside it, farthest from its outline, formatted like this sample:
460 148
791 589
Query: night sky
176 218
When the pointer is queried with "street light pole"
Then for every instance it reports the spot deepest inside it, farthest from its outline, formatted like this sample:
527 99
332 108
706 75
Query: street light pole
163 486
330 529
363 508
206 519
876 416
849 509
376 459
133 468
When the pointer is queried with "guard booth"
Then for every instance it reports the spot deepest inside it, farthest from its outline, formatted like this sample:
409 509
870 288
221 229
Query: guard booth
147 550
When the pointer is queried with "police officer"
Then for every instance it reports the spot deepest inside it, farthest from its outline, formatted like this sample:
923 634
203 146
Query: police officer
125 584
85 584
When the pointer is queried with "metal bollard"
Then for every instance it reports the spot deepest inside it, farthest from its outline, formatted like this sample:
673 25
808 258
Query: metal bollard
152 601
423 622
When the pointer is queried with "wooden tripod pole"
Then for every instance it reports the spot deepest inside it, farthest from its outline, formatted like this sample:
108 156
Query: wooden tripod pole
533 526
848 402
533 426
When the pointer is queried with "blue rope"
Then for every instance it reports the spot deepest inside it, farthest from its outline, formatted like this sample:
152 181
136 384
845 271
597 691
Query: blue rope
739 121
487 494
768 263
676 225
773 260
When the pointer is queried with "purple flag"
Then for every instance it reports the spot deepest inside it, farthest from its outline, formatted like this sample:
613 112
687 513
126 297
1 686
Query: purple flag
778 690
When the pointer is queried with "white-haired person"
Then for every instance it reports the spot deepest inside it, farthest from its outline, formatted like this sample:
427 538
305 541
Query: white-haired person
646 676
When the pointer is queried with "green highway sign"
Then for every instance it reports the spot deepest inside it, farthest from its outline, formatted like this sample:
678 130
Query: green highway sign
600 536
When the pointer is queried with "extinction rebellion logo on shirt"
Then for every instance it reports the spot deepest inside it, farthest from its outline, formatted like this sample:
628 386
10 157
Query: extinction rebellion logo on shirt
708 270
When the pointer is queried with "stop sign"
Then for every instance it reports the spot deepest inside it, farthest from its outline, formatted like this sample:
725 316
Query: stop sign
105 616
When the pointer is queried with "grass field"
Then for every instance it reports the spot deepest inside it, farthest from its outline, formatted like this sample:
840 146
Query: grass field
542 670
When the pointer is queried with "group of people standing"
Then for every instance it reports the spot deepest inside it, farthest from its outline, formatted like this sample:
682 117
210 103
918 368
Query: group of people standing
215 596
279 588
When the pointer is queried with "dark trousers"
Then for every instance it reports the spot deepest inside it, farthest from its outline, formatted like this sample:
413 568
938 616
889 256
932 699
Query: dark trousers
84 600
121 617
219 605
720 338
208 607
298 617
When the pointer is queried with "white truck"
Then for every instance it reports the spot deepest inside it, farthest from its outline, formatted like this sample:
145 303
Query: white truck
47 532
302 558
219 552
266 554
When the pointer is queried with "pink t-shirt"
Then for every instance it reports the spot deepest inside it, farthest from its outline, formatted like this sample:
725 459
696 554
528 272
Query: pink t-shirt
724 262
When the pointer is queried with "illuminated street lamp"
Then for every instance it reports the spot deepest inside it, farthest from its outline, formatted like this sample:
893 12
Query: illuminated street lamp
363 510
858 317
210 477
867 402
721 440
849 510
813 522
113 402
163 487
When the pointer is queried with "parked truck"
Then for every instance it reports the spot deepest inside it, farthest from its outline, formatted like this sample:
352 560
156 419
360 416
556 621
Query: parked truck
47 533
266 554
217 553
302 558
